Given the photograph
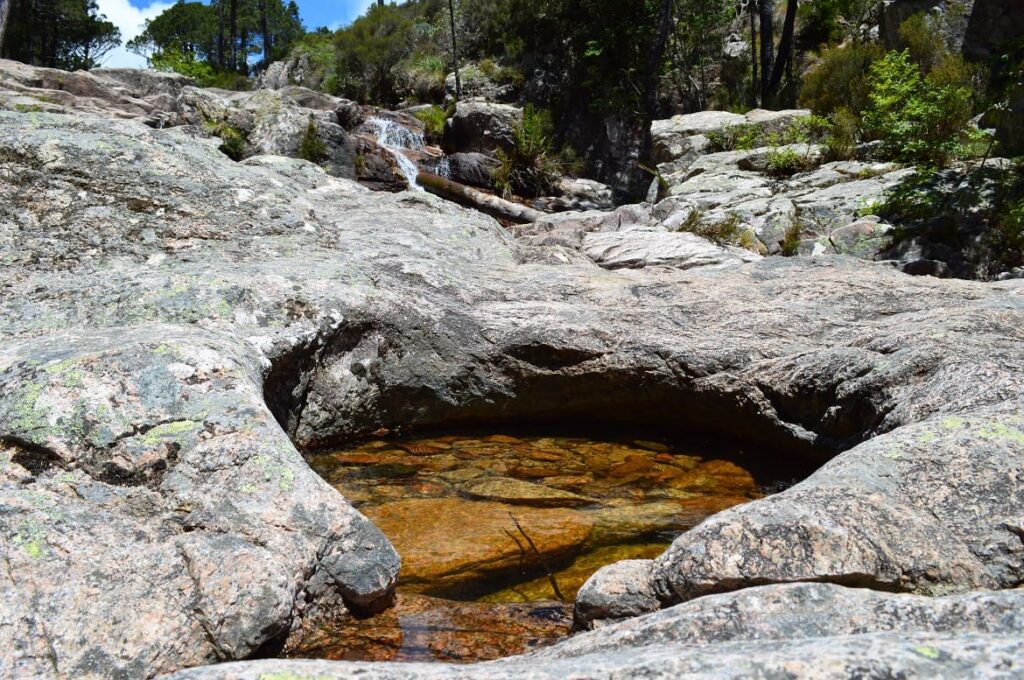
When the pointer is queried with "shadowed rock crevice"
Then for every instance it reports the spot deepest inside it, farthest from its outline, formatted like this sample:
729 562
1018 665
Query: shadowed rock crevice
33 457
352 381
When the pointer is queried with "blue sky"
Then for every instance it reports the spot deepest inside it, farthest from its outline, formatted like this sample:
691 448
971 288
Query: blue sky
131 15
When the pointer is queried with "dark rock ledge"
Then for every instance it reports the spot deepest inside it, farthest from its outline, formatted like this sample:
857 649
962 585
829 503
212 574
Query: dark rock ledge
171 322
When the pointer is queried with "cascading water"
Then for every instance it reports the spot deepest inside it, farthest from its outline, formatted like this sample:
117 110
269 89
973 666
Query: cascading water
397 138
442 167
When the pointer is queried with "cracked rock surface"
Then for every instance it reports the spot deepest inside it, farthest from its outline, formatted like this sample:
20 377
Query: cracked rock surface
173 324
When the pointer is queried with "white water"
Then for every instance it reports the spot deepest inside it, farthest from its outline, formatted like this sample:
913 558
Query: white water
396 139
443 168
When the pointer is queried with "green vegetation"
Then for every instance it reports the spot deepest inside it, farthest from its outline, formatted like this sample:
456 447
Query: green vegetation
917 101
530 167
918 119
66 34
311 147
980 213
1003 242
841 140
789 246
217 42
741 137
747 136
433 119
233 140
787 162
725 231
840 79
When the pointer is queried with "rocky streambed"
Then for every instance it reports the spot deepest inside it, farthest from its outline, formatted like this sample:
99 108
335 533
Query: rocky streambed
177 326
500 519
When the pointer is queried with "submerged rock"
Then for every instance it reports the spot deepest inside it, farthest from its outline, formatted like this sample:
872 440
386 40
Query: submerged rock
421 628
518 492
454 546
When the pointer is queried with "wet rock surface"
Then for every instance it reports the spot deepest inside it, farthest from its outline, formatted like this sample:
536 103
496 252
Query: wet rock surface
173 321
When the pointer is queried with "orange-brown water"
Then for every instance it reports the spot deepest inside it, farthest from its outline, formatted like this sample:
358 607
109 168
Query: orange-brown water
482 522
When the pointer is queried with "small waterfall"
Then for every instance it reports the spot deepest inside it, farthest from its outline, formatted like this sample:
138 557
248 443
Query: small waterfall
396 139
443 167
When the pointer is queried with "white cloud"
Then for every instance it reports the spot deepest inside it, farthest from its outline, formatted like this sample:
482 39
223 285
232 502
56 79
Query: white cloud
353 10
131 20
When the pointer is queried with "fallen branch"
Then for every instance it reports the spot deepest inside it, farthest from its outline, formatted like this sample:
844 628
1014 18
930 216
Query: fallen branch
474 198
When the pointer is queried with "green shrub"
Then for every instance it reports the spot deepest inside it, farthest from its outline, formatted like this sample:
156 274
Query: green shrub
742 137
979 213
824 21
1004 241
570 162
840 79
488 68
433 120
917 119
804 130
786 162
728 231
790 243
841 140
311 147
370 53
233 140
203 73
529 168
425 75
747 136
922 39
318 48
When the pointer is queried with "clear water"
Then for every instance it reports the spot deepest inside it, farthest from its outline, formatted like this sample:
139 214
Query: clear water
397 138
497 532
510 518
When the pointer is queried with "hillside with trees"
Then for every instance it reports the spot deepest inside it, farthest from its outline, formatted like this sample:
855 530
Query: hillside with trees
67 34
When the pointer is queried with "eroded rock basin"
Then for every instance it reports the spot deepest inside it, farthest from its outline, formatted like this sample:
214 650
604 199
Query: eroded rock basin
498 532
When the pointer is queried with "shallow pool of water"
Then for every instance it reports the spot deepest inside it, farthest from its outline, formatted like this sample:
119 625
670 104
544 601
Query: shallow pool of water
499 519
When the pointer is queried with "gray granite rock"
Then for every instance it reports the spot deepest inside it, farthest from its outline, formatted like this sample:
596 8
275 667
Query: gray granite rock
174 324
680 250
482 127
794 631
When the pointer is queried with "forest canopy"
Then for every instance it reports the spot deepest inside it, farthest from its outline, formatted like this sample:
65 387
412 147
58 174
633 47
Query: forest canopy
225 36
66 34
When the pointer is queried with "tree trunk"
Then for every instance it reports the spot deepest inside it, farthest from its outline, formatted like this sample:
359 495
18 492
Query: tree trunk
754 81
785 57
265 30
220 33
233 26
243 51
657 54
455 50
5 11
482 201
767 21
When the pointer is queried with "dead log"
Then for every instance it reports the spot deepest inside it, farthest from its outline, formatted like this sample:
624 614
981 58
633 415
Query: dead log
474 198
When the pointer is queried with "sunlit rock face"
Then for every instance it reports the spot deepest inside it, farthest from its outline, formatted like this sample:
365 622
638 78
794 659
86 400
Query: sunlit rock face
174 323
